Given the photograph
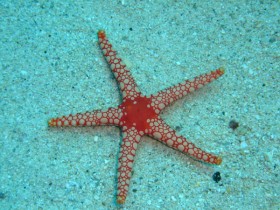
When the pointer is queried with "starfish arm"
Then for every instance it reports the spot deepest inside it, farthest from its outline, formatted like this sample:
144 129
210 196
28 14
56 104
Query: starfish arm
111 116
171 94
162 132
131 138
127 84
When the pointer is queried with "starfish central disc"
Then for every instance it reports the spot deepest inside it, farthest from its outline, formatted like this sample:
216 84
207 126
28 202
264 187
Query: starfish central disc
137 112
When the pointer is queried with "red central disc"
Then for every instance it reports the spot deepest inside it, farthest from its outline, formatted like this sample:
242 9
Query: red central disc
137 112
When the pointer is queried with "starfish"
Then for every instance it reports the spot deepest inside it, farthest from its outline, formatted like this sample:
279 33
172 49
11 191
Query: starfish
138 115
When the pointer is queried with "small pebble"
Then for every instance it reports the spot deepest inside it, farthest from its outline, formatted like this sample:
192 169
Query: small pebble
243 144
217 176
233 124
95 138
173 198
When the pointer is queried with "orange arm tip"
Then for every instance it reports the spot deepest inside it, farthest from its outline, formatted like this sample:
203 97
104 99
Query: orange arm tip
222 70
218 160
101 34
